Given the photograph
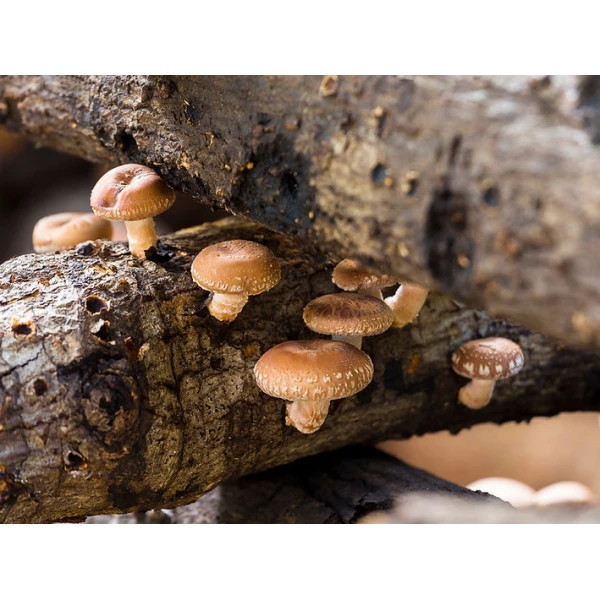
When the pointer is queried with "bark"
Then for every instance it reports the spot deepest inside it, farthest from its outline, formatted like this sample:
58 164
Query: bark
484 187
335 487
120 393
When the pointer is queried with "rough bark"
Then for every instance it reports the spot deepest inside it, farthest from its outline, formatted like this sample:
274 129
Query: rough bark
120 393
334 487
483 187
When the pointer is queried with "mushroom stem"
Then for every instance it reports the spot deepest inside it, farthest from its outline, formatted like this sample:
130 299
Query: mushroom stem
375 292
355 341
477 393
142 236
226 307
307 417
406 303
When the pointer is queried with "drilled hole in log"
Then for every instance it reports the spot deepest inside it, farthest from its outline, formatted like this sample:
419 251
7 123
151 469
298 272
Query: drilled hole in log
100 330
40 387
74 461
490 196
95 305
22 329
379 173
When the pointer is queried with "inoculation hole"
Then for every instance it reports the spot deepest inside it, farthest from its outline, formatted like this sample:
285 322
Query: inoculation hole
95 305
101 331
40 387
379 173
74 460
22 329
126 142
490 196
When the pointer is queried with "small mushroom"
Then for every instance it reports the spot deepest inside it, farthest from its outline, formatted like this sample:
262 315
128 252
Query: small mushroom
564 492
310 374
348 275
234 270
347 317
133 194
406 303
484 362
64 231
515 492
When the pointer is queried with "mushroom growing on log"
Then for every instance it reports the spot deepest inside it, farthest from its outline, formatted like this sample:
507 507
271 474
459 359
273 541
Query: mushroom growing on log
119 393
476 186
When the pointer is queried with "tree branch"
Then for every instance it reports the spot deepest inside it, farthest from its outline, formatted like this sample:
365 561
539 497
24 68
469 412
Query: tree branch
334 487
484 187
120 393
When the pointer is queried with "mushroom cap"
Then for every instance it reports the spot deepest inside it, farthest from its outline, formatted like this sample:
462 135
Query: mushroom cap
488 358
236 267
131 193
519 494
309 370
63 231
350 276
348 314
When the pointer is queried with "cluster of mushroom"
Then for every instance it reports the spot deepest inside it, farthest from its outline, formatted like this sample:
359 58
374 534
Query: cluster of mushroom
309 374
131 193
521 495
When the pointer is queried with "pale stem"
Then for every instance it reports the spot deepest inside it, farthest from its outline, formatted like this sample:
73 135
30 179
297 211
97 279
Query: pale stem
406 303
141 236
375 292
476 394
226 307
307 417
355 341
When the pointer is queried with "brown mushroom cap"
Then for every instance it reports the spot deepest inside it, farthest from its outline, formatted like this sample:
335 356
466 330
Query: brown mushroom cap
236 267
131 193
347 314
350 276
63 231
311 370
488 358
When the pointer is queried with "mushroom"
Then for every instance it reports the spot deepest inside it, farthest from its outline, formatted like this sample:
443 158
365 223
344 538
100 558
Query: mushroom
64 231
484 362
515 492
406 303
134 194
234 270
564 492
310 374
348 275
347 317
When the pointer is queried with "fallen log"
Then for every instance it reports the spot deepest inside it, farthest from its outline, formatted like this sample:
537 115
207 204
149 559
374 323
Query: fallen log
120 393
335 487
483 187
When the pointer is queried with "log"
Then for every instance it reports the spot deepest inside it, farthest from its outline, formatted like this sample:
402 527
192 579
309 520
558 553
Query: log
482 187
120 393
335 487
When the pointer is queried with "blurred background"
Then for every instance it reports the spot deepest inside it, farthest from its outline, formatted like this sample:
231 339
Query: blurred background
38 182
